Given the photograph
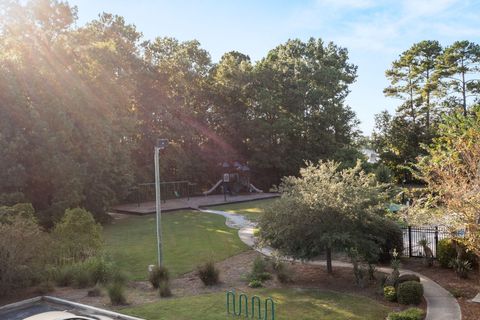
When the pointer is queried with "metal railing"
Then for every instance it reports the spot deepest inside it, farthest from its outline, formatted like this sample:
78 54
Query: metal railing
412 236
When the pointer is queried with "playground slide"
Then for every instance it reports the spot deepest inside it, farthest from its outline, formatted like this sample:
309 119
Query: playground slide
252 187
213 188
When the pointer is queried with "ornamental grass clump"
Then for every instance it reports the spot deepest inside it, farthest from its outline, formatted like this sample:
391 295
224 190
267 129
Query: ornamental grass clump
208 273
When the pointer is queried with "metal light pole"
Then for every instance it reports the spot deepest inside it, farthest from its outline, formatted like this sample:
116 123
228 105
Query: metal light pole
161 144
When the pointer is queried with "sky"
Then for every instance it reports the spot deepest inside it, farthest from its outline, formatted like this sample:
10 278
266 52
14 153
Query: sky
374 32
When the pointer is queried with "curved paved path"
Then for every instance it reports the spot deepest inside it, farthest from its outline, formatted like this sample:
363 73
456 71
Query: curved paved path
441 305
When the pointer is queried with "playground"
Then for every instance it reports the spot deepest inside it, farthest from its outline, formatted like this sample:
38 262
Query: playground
186 203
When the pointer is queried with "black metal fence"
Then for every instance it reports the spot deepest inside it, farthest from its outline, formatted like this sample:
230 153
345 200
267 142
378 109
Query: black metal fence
412 235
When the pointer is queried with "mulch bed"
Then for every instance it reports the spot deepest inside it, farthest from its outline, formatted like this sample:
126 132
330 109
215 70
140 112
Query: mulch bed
232 275
463 289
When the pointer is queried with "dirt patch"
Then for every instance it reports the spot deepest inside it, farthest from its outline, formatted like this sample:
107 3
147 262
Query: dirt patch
463 289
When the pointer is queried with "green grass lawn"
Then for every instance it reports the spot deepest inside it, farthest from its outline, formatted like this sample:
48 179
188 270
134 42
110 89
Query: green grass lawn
290 304
251 209
190 238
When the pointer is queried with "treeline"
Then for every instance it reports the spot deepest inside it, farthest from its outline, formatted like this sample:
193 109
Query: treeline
81 109
431 82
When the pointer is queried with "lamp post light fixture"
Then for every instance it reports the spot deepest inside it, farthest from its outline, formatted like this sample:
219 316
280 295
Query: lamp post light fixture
226 179
161 144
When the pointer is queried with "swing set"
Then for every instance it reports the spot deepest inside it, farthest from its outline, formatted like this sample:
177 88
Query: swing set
168 190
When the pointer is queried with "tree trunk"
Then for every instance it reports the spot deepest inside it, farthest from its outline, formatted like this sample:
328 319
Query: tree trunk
329 260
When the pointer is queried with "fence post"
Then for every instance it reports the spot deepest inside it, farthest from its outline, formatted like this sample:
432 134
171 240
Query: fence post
410 241
436 240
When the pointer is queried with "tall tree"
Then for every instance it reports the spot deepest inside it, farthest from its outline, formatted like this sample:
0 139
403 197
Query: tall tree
459 67
425 55
326 209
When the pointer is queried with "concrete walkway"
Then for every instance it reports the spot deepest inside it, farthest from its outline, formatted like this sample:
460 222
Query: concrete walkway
441 305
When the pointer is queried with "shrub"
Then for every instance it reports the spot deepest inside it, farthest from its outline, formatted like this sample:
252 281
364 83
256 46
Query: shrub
255 284
65 275
259 266
158 275
445 252
461 267
164 289
409 314
95 292
393 236
383 174
389 293
116 293
81 277
23 253
407 277
208 274
259 271
45 287
410 292
100 270
78 237
283 273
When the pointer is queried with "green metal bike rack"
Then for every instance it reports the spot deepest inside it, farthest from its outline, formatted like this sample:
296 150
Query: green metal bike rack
256 306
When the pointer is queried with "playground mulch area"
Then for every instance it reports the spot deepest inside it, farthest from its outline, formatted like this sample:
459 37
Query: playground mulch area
463 289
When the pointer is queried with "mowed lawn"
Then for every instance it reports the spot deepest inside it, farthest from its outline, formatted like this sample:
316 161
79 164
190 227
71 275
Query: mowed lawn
251 209
290 304
190 238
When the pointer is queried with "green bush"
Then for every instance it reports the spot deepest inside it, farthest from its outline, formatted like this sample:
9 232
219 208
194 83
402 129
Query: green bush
409 314
64 275
383 174
82 277
255 284
407 277
77 236
389 293
208 274
259 265
101 271
24 251
164 289
461 267
259 271
410 292
158 275
116 293
445 252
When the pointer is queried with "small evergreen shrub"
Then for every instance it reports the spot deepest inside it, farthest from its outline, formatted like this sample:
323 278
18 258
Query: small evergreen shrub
82 277
409 314
157 275
255 284
390 294
164 289
208 274
100 270
259 266
64 276
116 293
259 271
407 277
410 292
